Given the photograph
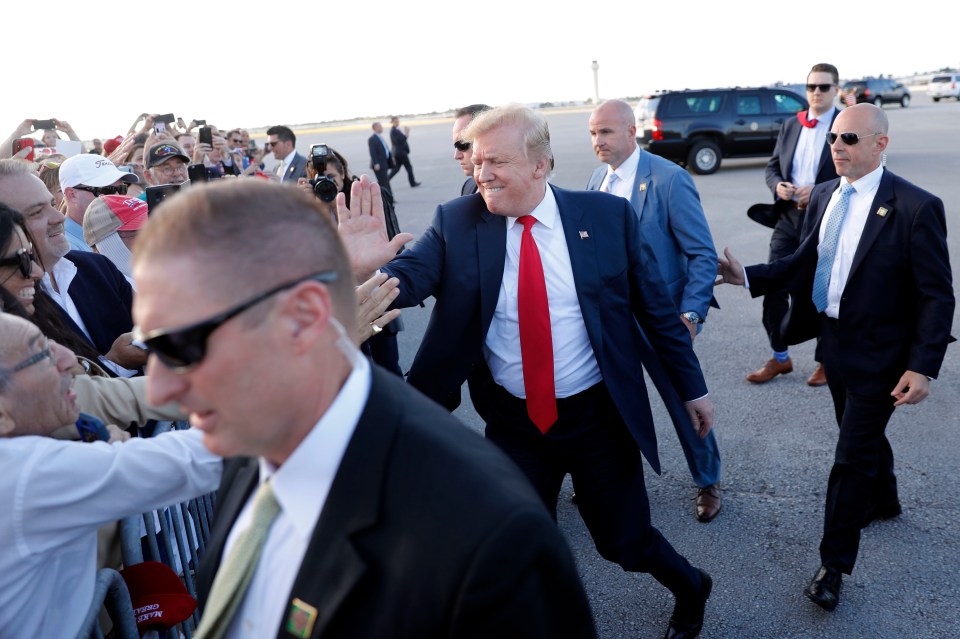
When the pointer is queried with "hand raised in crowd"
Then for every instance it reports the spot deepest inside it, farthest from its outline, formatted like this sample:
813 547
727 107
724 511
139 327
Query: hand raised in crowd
200 152
63 125
729 270
134 128
154 138
22 131
373 298
122 150
124 353
363 230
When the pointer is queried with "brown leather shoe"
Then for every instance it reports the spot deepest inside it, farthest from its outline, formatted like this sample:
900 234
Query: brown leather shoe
770 370
818 377
709 502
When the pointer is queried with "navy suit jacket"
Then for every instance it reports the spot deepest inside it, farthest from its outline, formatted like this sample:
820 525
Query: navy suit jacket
460 258
399 141
378 153
672 221
104 299
428 531
897 307
780 165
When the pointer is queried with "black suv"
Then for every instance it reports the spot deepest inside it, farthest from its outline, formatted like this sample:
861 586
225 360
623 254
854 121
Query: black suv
878 91
698 128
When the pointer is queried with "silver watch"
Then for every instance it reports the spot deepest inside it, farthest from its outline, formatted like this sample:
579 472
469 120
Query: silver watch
692 316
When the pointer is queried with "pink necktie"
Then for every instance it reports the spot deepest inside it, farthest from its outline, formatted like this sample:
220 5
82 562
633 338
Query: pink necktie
536 340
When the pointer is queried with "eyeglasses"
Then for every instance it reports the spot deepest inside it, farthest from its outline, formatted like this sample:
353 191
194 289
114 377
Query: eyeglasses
119 189
23 259
823 87
34 359
238 141
460 145
848 138
170 168
181 349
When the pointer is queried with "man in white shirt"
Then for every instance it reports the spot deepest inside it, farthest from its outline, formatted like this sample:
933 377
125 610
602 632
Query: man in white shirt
354 506
55 494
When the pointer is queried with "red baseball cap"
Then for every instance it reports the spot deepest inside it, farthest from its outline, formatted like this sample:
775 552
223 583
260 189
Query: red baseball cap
160 600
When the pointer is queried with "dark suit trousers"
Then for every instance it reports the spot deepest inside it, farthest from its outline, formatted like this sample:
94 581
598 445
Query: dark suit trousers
784 241
403 161
862 476
591 442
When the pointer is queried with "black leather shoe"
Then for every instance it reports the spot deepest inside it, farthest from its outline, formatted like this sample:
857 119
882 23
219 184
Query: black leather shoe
824 590
886 511
415 184
686 622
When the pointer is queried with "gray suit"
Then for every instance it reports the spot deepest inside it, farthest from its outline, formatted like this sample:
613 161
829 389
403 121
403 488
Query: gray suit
672 222
296 170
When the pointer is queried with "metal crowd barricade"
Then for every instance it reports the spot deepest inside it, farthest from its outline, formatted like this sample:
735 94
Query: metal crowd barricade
111 591
179 543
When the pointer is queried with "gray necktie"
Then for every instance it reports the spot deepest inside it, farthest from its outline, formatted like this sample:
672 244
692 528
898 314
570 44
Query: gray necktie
611 181
230 584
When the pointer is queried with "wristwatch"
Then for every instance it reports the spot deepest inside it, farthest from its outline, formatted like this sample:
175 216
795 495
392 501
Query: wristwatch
692 316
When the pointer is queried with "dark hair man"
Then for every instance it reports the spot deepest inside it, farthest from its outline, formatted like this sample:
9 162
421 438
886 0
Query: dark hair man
291 165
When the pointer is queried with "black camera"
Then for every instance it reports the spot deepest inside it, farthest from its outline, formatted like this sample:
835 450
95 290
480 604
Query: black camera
318 156
325 188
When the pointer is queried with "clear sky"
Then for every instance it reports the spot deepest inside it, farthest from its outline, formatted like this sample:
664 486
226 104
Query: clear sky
254 63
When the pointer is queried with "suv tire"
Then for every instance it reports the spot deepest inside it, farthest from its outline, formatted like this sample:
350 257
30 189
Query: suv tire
704 157
905 101
878 101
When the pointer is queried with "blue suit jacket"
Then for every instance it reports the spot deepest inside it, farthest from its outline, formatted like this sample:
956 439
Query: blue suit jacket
104 299
296 170
460 258
672 222
897 307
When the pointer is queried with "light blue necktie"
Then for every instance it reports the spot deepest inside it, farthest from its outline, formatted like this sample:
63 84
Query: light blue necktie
611 181
828 248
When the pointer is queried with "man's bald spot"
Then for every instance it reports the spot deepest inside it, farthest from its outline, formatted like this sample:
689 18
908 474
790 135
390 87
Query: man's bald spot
616 109
871 116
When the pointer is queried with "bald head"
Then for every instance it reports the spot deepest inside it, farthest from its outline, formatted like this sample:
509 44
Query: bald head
870 125
613 132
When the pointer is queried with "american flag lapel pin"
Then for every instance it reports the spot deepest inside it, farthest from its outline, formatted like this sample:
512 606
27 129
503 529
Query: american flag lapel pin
584 235
882 211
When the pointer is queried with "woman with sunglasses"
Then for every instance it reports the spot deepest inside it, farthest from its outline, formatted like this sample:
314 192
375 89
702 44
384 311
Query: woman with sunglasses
19 270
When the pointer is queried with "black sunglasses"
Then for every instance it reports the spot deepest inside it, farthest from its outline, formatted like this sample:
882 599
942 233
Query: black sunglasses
823 87
23 259
460 145
848 138
119 189
181 349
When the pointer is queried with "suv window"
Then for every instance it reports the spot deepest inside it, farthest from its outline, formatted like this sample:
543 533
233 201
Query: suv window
702 103
942 78
787 103
748 105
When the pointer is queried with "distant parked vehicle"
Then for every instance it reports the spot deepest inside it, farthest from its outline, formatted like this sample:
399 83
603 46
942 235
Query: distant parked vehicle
944 86
697 128
878 91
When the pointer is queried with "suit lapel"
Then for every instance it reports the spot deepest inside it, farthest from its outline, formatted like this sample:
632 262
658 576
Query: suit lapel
582 247
641 184
791 147
491 253
826 155
334 563
882 203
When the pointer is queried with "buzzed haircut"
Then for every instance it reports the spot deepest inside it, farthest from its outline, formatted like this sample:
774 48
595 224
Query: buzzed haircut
284 134
823 67
249 235
472 110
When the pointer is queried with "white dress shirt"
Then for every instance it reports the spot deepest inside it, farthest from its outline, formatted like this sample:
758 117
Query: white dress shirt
301 486
810 146
627 172
865 189
575 367
55 494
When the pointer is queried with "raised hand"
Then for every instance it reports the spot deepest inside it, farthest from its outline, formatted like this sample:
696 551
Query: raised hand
363 230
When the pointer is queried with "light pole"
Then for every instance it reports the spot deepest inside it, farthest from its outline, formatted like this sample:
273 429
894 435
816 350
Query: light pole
596 82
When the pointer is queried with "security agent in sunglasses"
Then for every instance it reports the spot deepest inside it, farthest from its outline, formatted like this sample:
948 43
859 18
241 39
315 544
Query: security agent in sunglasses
800 160
385 517
873 277
54 494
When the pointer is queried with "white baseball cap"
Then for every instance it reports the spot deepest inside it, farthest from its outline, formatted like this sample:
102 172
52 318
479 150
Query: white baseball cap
92 170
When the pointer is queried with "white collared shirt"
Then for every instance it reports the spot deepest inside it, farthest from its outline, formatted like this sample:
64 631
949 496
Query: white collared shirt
865 190
810 146
285 163
627 172
575 367
301 486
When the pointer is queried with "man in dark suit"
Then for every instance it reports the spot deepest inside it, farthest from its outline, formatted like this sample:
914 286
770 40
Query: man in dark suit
550 338
462 150
94 297
291 165
672 222
401 149
376 513
381 160
800 160
873 275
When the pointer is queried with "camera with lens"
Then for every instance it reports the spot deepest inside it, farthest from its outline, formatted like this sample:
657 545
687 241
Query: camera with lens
325 188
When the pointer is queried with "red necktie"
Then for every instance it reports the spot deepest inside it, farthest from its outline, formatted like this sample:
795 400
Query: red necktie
802 116
536 339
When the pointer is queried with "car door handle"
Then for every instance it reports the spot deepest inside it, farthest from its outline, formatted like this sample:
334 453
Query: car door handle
741 122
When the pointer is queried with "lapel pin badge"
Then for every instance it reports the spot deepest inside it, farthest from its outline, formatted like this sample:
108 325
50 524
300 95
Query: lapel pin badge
301 619
882 212
643 186
584 235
